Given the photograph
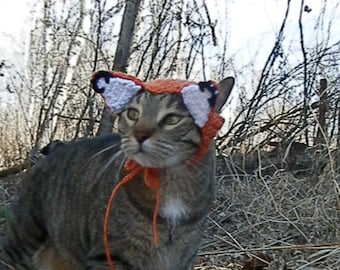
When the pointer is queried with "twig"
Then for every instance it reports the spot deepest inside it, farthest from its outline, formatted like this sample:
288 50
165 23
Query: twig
335 245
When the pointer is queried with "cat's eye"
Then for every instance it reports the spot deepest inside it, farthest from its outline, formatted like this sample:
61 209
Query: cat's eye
172 119
132 114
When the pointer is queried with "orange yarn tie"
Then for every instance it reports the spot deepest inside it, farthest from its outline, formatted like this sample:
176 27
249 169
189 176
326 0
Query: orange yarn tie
152 181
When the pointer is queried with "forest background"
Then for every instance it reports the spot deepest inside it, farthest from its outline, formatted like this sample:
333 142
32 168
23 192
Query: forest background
278 51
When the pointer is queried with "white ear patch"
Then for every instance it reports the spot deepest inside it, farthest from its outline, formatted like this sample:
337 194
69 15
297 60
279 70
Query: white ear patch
117 92
197 102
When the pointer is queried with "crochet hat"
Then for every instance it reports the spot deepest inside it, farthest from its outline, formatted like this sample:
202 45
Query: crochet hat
118 89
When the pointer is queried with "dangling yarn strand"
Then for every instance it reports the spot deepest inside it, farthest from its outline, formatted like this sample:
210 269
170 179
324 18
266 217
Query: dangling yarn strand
152 181
126 179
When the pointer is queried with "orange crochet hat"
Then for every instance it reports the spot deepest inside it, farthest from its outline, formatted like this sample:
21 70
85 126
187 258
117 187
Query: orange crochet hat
118 89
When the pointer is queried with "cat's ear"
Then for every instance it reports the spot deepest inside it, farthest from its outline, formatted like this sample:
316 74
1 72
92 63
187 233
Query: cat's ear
117 89
225 87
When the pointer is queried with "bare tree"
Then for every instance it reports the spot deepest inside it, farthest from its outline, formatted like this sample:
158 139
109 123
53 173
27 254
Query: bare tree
70 39
121 57
322 128
286 104
171 40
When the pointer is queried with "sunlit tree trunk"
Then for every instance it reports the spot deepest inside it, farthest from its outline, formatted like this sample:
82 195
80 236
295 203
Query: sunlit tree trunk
121 56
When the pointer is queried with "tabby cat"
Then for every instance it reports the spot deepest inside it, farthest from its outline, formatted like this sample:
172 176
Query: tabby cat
57 220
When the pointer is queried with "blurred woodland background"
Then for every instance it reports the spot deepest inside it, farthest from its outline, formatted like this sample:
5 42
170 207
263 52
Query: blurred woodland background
291 102
283 117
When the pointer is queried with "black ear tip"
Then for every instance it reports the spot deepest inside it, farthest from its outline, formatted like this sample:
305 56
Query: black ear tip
210 86
98 75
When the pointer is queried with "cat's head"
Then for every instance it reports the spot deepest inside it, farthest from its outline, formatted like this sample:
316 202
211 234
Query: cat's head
163 122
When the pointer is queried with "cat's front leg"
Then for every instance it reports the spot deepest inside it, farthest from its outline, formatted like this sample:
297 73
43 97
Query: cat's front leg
105 266
100 263
47 258
20 244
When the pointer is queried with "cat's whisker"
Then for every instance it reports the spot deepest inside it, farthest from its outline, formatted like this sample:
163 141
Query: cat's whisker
129 149
109 162
103 151
122 162
107 165
164 145
159 153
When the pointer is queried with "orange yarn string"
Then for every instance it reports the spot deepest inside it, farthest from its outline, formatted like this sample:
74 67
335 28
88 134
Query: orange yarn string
152 181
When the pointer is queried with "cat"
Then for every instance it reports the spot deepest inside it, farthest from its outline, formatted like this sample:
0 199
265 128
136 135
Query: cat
57 220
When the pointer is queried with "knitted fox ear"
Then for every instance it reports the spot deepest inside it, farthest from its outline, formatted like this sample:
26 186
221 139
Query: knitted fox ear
200 99
117 89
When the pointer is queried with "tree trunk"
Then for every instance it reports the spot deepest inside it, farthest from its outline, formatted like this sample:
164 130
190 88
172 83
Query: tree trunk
323 109
121 57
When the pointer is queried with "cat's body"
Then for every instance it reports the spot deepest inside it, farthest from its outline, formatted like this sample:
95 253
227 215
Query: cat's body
57 221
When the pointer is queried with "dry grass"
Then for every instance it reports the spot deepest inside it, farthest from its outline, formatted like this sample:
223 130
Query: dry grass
289 222
286 222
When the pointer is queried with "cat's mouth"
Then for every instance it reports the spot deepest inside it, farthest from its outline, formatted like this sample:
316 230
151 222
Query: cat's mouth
144 160
148 160
149 155
143 153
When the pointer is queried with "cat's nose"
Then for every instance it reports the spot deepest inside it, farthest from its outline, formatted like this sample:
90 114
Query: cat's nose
141 136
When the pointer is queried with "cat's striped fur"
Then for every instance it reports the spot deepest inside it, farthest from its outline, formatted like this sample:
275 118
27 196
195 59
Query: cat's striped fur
57 220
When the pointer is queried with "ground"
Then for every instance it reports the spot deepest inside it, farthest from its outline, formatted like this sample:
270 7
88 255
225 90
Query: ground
276 222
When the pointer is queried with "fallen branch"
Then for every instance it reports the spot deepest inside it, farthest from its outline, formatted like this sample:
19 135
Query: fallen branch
335 245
